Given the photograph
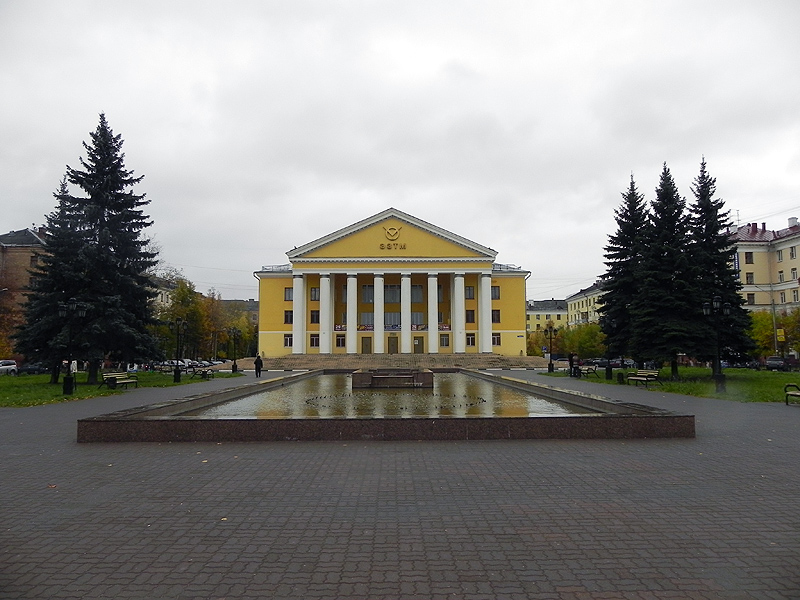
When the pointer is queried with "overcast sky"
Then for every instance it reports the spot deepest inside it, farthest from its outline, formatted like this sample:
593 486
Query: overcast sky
260 126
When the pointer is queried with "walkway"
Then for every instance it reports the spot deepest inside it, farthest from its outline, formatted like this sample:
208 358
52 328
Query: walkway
717 517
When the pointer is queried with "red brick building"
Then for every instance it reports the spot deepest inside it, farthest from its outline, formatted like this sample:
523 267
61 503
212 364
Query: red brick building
19 251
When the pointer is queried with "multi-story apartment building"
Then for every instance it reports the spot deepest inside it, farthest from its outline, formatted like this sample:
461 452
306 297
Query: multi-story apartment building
582 306
769 266
19 252
541 312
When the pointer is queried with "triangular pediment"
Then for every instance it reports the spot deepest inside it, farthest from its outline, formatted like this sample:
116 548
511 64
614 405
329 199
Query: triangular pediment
392 232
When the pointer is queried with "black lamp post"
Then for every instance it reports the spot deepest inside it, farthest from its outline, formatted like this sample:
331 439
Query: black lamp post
179 327
67 311
550 331
234 335
717 309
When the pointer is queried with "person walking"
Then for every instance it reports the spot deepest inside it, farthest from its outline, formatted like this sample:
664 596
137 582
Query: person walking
258 365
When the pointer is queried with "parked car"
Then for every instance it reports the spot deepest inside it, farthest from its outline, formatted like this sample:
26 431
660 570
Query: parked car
9 367
620 363
776 363
34 368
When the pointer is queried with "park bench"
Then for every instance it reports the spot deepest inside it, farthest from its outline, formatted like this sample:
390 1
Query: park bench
586 370
203 373
112 380
644 376
791 394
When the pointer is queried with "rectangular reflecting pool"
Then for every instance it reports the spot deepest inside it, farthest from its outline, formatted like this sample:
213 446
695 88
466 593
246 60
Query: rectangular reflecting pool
312 405
454 395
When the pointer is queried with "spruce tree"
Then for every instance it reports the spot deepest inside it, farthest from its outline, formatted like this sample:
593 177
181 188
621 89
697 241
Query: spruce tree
105 268
713 251
620 282
115 248
659 325
58 278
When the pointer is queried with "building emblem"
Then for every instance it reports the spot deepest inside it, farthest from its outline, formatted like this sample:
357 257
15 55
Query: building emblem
392 233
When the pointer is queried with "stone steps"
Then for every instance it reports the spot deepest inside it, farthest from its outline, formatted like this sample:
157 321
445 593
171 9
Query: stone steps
396 361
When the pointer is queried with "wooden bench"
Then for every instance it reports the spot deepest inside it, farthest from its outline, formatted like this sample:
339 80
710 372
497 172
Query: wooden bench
204 373
112 380
644 376
791 394
586 370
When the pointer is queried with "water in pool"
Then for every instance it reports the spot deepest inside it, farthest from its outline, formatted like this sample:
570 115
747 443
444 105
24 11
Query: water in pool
454 395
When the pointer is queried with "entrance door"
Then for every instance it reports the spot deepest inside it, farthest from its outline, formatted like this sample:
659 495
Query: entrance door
393 342
419 344
366 345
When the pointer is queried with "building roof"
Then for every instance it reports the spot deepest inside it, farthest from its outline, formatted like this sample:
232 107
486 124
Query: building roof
23 237
551 305
592 289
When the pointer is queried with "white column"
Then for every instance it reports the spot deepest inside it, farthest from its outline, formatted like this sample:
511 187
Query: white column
298 314
458 318
433 313
325 314
405 313
351 339
378 320
485 313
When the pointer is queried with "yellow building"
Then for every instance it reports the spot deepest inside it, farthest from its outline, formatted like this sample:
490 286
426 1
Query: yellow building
769 266
391 283
582 306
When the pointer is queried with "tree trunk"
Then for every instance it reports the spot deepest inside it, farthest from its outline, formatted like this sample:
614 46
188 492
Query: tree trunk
674 369
91 376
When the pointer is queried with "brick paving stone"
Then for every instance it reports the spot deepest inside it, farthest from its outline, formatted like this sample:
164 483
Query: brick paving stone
714 517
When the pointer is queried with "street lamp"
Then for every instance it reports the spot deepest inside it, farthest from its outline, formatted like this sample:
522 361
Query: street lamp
234 335
67 310
717 309
550 331
179 327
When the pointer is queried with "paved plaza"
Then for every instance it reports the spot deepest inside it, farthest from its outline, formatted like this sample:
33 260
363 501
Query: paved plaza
713 517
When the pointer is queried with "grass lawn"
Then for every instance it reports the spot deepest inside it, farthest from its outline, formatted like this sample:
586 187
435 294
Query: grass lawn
743 385
32 390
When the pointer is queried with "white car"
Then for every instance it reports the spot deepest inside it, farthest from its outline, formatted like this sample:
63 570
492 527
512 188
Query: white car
9 367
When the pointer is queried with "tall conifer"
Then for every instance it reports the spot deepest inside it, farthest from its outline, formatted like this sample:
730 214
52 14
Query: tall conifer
620 282
660 328
713 252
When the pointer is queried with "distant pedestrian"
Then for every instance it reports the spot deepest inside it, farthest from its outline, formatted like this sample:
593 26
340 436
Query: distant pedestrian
258 364
571 364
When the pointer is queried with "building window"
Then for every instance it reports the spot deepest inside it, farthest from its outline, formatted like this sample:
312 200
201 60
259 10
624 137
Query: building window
748 258
471 339
391 319
495 292
538 317
368 294
288 294
367 318
469 292
418 318
783 297
793 274
314 316
780 276
340 341
495 339
795 295
314 341
314 294
344 294
792 251
288 317
558 317
444 340
439 293
495 315
287 340
470 317
416 293
780 255
391 294
749 278
547 317
751 298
